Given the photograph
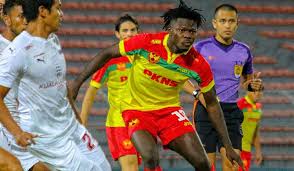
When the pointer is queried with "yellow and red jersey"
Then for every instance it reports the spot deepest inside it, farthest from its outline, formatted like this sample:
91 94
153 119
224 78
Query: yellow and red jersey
157 75
252 115
115 74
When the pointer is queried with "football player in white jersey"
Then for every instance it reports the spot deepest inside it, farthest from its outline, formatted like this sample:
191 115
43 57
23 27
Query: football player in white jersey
15 23
39 66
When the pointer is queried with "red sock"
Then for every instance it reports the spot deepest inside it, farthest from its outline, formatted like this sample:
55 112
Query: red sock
158 168
212 167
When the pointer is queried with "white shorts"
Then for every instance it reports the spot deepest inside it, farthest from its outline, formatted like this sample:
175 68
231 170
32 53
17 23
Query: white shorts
26 159
62 156
90 148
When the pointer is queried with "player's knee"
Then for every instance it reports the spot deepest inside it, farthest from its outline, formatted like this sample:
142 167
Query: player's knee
150 158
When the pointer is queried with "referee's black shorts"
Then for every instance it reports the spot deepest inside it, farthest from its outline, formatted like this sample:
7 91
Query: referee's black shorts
208 135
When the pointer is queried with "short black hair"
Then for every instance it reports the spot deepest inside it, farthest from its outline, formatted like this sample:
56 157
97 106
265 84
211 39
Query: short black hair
227 7
9 4
124 18
182 11
31 8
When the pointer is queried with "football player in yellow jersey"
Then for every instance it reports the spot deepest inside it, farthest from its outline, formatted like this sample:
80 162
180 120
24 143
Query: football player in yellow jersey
250 127
115 75
162 63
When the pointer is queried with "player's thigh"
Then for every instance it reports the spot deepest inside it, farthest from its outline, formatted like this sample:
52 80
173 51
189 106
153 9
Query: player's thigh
119 142
129 162
184 145
8 161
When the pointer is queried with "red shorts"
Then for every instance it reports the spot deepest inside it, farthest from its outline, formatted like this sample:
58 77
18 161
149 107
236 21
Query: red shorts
119 142
246 158
167 123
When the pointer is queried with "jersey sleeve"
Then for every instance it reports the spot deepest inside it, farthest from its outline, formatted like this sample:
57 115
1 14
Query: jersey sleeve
12 64
205 75
100 77
248 67
130 47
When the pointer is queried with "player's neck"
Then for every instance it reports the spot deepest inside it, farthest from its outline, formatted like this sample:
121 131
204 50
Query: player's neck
38 29
224 41
173 48
8 34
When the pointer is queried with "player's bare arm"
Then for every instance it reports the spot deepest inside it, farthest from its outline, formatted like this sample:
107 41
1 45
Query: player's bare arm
99 60
88 103
217 119
22 138
257 145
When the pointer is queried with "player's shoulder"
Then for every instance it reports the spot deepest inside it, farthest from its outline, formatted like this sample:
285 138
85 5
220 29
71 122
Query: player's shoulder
199 44
122 59
196 60
21 42
241 45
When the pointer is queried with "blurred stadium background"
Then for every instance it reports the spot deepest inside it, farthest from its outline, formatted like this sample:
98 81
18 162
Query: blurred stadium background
266 25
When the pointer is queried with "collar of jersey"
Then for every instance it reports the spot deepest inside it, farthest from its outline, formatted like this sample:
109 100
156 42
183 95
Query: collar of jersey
171 57
4 39
34 37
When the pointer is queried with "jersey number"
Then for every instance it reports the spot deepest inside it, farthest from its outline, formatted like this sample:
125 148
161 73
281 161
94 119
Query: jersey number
181 115
87 139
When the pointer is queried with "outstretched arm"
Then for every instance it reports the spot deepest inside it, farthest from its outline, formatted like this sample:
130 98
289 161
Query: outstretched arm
98 61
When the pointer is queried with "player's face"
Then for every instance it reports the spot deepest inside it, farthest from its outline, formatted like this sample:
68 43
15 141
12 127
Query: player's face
54 17
127 29
15 20
183 33
225 23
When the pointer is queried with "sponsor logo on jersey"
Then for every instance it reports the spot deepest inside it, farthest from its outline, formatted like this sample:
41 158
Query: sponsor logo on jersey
28 47
160 79
156 42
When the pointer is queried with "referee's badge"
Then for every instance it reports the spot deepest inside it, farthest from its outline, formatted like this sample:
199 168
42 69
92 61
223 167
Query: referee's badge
238 68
